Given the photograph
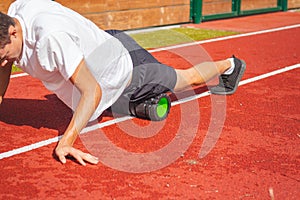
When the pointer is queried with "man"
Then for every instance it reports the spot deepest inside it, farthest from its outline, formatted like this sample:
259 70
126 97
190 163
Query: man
90 69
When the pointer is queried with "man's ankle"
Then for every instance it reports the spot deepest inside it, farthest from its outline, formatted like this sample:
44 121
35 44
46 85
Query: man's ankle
231 68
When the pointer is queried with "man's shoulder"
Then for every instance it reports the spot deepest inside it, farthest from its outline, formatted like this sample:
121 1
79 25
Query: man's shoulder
30 6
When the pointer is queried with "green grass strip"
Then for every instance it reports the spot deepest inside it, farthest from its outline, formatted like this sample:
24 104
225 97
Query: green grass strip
15 69
168 37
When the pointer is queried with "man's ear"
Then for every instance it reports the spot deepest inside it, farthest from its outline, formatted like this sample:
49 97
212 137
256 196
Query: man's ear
12 31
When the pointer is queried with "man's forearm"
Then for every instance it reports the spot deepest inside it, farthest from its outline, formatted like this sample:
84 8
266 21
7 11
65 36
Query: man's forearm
90 98
4 79
86 107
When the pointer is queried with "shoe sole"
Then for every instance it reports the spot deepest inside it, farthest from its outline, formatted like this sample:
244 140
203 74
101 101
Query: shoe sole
243 68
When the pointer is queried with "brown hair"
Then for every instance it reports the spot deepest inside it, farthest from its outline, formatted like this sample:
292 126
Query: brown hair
5 22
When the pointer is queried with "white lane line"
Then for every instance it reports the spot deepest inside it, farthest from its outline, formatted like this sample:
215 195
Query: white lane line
18 75
29 147
206 41
114 121
273 73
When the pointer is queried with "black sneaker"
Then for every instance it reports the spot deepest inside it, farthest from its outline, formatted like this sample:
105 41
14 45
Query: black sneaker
229 83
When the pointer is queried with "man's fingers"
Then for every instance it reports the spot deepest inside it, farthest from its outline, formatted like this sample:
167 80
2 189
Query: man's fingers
77 155
81 157
91 159
62 159
3 63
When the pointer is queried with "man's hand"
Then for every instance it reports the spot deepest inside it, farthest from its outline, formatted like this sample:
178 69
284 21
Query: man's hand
64 150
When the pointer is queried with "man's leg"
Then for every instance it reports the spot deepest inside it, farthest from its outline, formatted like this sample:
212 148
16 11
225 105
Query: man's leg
200 74
230 72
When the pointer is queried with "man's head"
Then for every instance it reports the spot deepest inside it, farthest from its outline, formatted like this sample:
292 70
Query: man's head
10 39
5 22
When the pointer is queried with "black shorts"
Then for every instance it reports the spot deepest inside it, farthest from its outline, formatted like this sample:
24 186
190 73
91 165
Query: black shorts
149 78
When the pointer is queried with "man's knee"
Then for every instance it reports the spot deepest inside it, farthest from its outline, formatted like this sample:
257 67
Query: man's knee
186 78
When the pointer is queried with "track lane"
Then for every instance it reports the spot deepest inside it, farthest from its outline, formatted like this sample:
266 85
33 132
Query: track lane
53 123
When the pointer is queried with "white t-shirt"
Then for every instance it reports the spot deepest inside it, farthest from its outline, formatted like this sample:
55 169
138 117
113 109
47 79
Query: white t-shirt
56 39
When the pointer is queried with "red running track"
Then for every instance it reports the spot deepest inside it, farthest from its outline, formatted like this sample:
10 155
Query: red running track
257 152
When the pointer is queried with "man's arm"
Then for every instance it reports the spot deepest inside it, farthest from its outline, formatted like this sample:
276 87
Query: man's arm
91 94
5 72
